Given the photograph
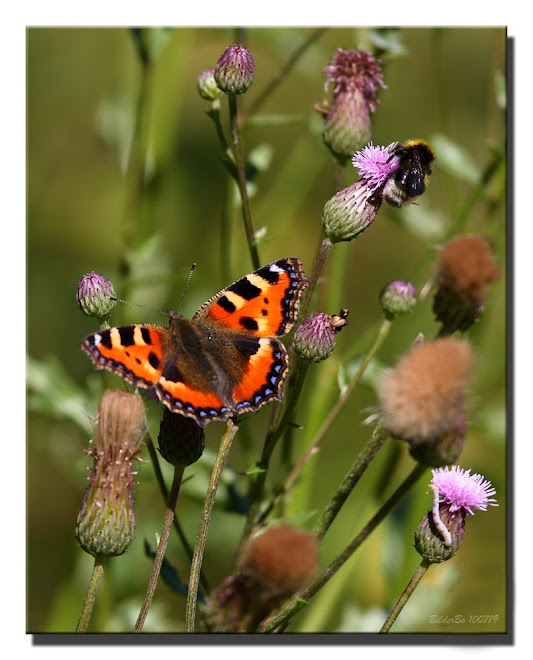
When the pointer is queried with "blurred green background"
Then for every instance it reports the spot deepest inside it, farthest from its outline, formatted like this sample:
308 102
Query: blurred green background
83 85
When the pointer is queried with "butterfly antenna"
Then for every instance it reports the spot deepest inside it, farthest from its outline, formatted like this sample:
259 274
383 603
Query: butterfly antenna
127 302
186 286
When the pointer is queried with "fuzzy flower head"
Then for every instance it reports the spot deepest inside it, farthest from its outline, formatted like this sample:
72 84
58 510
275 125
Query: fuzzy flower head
95 295
422 398
350 212
356 78
274 565
235 70
466 266
461 490
375 164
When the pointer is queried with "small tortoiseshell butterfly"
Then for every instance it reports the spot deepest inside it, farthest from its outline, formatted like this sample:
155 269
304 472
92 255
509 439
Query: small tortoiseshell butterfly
223 362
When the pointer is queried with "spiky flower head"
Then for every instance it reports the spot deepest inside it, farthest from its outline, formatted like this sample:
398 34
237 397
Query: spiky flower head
274 565
235 69
106 521
95 295
461 490
422 398
466 266
356 78
352 210
314 340
181 439
456 494
207 86
397 298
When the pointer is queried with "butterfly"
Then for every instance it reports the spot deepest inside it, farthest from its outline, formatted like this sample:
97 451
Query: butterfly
225 361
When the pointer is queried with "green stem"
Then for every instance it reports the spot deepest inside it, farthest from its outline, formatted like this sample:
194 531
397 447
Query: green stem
402 600
161 548
90 596
282 619
164 492
241 182
220 461
318 265
349 482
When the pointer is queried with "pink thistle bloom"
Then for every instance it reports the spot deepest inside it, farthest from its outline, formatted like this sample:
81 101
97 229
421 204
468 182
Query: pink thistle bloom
375 164
461 490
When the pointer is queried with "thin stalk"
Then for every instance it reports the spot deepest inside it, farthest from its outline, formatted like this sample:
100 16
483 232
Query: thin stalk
271 86
164 492
408 591
220 461
318 265
280 620
90 596
241 181
350 480
313 447
161 548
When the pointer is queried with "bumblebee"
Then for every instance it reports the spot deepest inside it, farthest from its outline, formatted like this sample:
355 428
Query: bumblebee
410 180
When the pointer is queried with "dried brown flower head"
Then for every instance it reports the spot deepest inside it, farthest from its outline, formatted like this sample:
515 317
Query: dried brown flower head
422 397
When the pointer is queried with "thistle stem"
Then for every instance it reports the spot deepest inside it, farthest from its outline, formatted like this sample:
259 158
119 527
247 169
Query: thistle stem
164 492
273 435
241 182
280 620
407 593
90 596
350 480
161 548
220 461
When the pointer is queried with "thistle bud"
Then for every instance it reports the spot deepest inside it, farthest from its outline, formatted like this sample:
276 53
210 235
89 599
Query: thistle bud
95 295
181 439
352 210
235 69
356 77
314 340
106 521
397 298
466 266
429 542
207 86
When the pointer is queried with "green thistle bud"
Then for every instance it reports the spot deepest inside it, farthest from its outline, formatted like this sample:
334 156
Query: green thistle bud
350 211
314 340
207 86
95 295
429 542
397 298
106 521
235 69
181 440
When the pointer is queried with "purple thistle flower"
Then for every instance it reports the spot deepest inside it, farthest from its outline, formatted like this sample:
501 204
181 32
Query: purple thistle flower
397 298
374 164
235 69
95 295
461 490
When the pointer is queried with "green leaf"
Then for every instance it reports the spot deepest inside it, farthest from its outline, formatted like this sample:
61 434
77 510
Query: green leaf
428 224
455 159
53 392
500 90
255 469
169 574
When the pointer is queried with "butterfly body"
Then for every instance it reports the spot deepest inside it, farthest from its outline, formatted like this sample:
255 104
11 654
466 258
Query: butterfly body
225 361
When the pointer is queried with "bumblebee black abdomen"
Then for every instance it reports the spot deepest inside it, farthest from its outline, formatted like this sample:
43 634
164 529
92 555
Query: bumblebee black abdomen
410 180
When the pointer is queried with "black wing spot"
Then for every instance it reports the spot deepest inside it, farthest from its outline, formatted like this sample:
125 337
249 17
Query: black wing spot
226 304
126 335
146 335
245 289
153 360
248 323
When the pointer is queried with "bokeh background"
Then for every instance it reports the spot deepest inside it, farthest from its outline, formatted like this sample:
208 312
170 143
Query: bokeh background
83 96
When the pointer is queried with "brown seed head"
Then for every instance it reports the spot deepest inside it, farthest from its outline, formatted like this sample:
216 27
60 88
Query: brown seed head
468 264
422 397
